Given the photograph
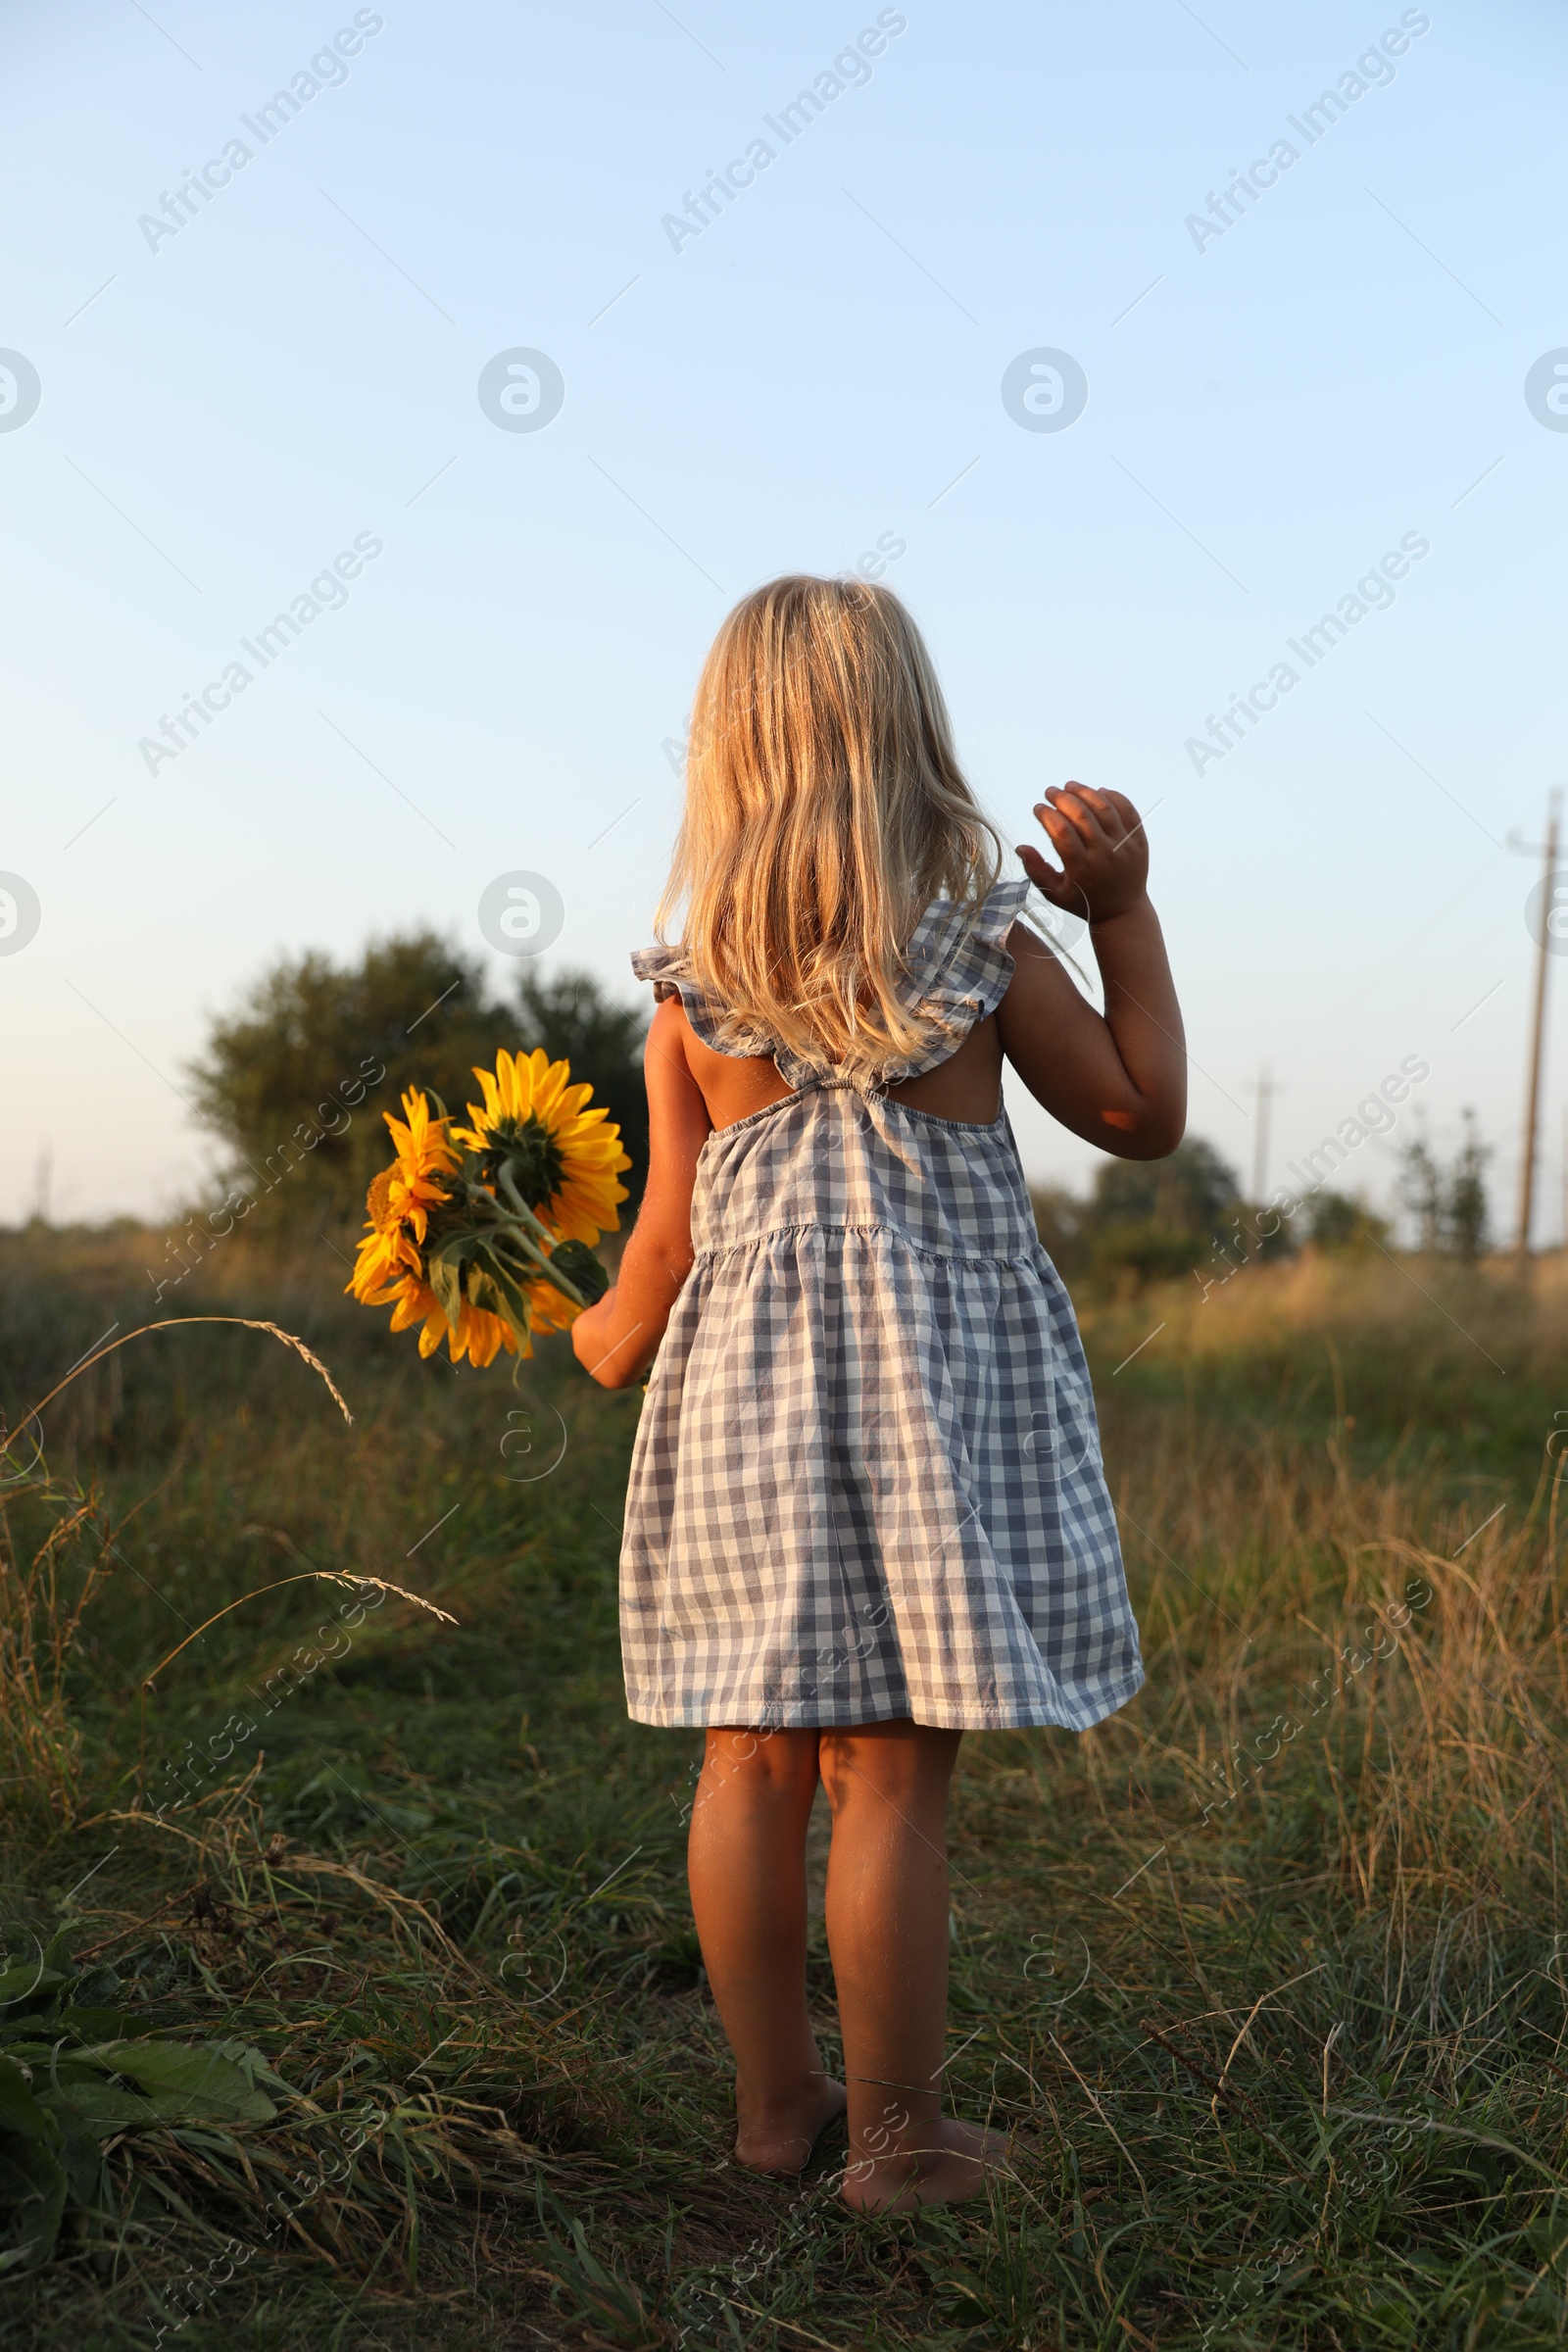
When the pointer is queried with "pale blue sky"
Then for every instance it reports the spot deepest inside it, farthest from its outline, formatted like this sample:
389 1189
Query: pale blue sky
821 367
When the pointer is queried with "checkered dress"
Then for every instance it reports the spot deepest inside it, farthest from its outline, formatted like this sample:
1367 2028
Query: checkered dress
867 1479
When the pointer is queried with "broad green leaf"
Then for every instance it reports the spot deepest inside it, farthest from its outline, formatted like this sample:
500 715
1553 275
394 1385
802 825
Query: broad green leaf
208 2086
81 2156
100 2105
252 2063
52 2061
28 1980
97 1985
96 2025
56 1951
33 2197
19 2110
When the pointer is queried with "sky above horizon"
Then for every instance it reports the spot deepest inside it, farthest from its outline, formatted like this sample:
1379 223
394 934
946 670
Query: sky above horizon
454 349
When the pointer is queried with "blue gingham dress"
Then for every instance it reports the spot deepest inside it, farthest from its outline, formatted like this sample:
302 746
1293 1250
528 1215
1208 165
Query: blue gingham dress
867 1481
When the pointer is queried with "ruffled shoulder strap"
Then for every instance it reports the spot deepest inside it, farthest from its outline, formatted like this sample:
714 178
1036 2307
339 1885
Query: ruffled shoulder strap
959 968
666 968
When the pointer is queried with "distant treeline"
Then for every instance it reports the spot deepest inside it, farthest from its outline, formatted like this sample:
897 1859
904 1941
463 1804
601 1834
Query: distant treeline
295 1080
1147 1219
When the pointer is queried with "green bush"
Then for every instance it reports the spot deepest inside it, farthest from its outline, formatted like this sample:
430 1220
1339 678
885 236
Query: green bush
1150 1220
295 1080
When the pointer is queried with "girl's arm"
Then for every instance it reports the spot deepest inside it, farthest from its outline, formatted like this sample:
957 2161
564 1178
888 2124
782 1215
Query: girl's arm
617 1340
1118 1078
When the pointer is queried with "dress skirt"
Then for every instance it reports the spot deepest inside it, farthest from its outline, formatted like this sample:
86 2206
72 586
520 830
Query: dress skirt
867 1481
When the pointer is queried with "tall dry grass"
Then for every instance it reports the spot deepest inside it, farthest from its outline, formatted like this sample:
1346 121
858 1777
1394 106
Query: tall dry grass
1268 1966
57 1551
1307 1545
49 1579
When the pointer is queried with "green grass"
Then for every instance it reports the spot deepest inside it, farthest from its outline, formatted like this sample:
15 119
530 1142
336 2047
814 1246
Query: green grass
1294 2074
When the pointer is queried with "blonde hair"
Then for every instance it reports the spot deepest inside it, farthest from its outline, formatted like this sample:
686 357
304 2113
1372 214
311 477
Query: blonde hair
826 808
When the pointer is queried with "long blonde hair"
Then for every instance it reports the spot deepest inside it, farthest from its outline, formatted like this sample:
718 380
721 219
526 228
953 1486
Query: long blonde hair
826 808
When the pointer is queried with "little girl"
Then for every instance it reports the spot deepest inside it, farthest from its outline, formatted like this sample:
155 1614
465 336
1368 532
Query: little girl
867 1510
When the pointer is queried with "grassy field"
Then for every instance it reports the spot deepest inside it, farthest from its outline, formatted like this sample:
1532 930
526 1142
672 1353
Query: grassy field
1270 1967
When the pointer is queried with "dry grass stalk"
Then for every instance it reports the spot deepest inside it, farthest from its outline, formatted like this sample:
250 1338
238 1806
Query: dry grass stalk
180 1323
329 1576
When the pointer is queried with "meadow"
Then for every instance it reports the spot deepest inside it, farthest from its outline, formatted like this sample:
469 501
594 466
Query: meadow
1269 1970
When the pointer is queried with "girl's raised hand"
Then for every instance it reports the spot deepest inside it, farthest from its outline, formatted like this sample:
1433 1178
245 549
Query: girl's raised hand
1118 1078
1099 838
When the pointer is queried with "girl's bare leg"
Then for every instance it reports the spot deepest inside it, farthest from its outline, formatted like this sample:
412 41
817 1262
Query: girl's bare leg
887 1928
746 1862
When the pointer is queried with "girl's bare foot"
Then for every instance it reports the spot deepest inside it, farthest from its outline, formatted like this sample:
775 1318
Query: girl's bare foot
780 2139
950 2166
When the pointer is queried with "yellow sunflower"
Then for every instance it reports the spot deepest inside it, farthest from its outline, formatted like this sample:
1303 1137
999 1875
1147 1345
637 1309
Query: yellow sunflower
563 1157
478 1336
401 1197
389 1270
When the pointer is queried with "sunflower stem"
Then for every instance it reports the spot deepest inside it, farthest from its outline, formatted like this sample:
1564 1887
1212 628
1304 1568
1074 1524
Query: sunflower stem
533 1231
512 1231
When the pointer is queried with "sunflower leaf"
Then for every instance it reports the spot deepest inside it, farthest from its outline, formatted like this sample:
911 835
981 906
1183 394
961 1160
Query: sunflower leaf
494 1293
581 1268
517 1307
443 1270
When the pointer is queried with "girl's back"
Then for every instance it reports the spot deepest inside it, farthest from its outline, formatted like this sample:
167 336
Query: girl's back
867 1509
867 1481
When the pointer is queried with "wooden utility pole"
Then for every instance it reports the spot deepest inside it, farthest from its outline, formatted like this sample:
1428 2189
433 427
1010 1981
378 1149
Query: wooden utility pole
1538 1033
1265 1090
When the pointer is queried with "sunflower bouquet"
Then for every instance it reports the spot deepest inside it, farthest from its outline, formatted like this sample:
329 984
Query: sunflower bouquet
484 1234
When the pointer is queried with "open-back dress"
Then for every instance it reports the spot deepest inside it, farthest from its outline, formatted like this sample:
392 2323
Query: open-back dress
867 1481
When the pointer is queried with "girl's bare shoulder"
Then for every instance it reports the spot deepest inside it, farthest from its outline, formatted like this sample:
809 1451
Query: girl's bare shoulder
731 1085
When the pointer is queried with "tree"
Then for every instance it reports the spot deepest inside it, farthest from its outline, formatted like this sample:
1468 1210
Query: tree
1447 1202
1466 1203
296 1079
1153 1218
1061 1220
1336 1222
1189 1192
1421 1192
